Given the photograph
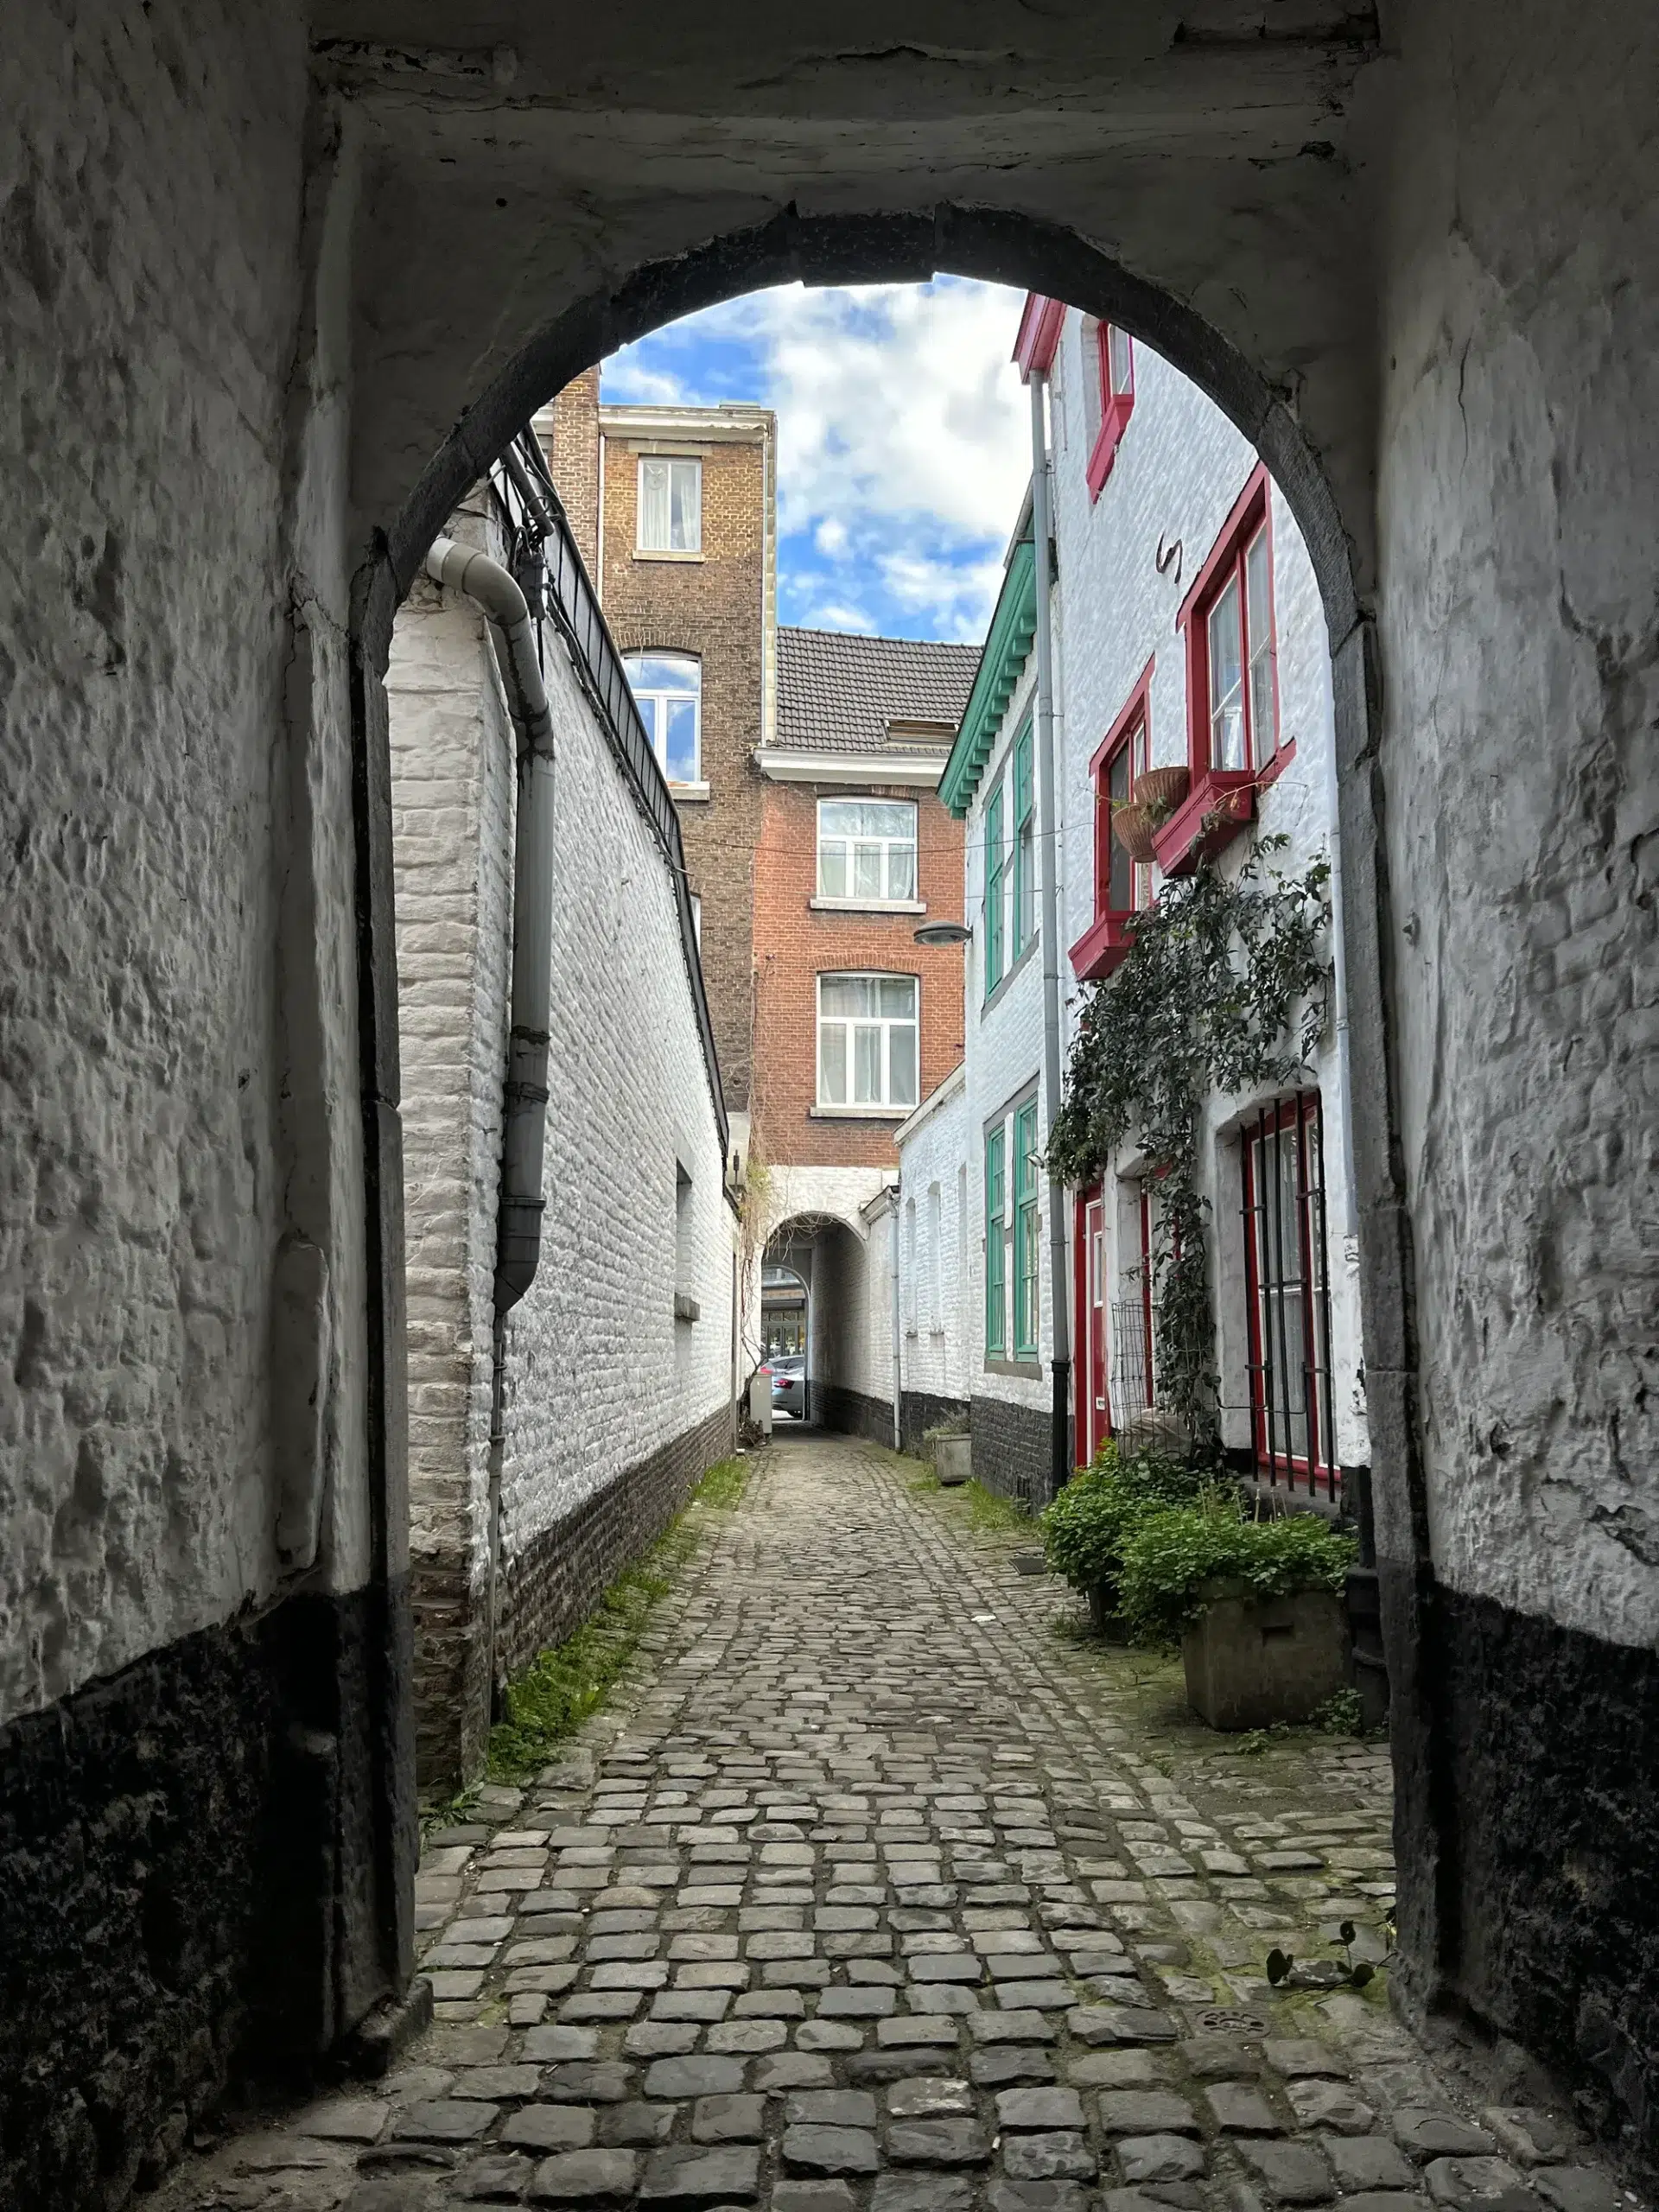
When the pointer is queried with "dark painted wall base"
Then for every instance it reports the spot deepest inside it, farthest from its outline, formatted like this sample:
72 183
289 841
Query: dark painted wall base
198 1884
1544 1805
555 1585
1013 1450
920 1410
850 1413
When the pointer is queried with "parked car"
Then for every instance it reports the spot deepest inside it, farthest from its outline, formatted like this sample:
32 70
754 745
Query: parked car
789 1383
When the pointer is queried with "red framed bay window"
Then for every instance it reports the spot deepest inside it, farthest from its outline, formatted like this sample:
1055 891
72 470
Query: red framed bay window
1123 887
1288 1292
1114 366
1232 685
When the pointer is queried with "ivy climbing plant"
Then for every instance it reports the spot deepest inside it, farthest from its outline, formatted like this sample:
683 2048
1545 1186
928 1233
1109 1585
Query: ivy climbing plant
1224 988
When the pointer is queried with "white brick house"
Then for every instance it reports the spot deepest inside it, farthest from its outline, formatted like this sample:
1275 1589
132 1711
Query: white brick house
1167 534
616 1389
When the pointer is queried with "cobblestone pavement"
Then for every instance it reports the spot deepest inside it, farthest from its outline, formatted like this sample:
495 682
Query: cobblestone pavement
872 1891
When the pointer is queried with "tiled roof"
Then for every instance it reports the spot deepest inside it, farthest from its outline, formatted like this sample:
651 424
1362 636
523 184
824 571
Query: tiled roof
838 691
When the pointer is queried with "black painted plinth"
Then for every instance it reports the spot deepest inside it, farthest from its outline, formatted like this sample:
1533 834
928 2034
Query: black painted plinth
1013 1449
204 1868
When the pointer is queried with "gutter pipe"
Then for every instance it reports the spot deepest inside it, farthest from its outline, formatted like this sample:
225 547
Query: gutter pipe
1048 826
460 568
898 1331
519 1208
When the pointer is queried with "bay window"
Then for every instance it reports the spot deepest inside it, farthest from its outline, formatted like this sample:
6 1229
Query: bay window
867 849
868 1041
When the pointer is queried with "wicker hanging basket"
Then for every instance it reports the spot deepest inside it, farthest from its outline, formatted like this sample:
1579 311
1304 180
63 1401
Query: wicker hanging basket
1160 790
1132 826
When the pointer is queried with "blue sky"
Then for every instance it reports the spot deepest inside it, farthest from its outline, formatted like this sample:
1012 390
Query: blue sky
904 440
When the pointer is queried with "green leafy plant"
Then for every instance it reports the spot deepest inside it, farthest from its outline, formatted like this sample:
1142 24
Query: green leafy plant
1206 999
1342 1714
1085 1528
1175 1558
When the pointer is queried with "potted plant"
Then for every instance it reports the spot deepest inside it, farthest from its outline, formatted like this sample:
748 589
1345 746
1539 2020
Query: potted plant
1160 790
1086 1527
1132 826
1256 1605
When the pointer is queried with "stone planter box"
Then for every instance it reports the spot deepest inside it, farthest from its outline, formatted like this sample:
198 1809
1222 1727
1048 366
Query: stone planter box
1253 1662
953 1459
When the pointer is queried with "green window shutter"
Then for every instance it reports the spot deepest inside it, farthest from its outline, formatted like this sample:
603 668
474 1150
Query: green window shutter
995 1243
1025 1232
994 874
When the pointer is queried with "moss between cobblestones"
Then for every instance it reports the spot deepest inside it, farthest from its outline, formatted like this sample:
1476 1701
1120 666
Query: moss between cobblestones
564 1684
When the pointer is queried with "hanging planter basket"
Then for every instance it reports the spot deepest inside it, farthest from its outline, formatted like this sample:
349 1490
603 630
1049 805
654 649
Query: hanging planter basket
1160 790
1132 826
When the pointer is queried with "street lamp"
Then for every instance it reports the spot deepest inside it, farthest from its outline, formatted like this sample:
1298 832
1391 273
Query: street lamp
943 933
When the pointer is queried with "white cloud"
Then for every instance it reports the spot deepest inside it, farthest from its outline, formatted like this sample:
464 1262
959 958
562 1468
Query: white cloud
903 437
829 615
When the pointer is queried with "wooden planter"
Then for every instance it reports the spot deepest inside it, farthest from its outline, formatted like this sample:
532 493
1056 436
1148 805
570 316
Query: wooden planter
1160 790
1251 1662
1132 826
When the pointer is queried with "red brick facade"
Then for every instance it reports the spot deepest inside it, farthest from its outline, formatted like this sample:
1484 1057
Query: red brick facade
794 945
716 604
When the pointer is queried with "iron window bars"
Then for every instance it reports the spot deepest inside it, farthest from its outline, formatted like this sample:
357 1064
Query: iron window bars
1287 1287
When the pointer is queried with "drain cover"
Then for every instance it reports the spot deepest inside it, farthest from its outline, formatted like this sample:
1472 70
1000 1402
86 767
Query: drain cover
1222 2019
1030 1563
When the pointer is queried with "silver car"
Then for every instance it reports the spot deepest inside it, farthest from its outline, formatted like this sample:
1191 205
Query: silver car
789 1385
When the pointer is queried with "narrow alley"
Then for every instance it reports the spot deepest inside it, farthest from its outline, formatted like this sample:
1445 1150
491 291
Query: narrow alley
873 1886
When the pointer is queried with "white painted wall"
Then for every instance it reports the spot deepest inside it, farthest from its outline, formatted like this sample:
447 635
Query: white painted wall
1177 475
933 1191
599 1373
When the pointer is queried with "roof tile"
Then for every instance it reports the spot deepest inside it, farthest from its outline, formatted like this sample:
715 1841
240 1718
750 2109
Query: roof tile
838 691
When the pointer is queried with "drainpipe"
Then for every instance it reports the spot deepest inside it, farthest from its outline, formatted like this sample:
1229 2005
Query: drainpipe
1048 826
518 1249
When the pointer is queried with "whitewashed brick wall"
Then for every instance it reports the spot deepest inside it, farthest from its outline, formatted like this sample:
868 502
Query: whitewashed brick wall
933 1151
599 1373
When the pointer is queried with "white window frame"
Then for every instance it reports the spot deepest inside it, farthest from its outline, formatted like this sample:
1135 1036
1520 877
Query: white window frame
885 1024
670 462
658 696
887 846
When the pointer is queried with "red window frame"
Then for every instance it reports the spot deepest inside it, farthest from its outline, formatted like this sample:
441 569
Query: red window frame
1295 1129
1106 940
1117 404
1220 800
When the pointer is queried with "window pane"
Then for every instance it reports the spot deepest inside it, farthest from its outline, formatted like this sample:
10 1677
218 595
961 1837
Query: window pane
846 995
832 1064
1120 868
681 762
832 871
901 1052
838 818
899 997
1258 619
866 871
890 820
1226 683
1122 360
687 512
653 506
680 673
901 871
647 707
867 1065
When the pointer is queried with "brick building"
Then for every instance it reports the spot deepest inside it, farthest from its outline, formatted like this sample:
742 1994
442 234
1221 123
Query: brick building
675 511
855 1021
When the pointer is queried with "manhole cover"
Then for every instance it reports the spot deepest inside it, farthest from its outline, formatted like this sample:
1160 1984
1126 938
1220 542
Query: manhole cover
1222 2020
1030 1563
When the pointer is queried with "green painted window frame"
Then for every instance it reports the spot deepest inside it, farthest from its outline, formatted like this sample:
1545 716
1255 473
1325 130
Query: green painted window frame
996 869
1025 1239
1025 844
996 1248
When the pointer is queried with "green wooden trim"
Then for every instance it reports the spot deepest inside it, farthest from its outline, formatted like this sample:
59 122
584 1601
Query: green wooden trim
995 1248
995 872
1007 646
1025 1232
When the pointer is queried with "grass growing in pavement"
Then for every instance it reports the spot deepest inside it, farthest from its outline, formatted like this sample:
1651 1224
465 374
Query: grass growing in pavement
565 1684
989 1512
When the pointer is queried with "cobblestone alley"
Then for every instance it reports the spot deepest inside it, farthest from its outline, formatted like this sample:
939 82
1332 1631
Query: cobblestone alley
871 1889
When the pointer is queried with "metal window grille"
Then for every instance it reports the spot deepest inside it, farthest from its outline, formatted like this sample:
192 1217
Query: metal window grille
1283 1191
1131 1373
